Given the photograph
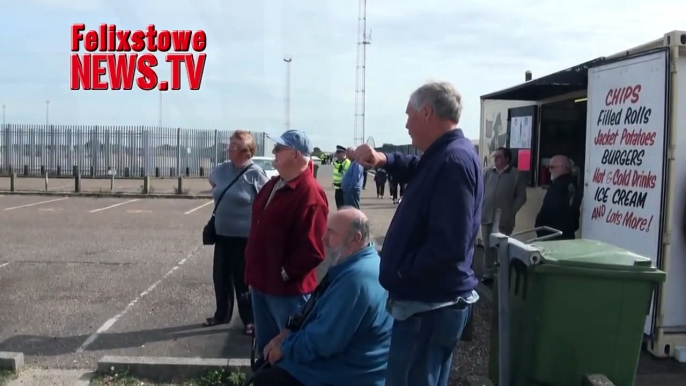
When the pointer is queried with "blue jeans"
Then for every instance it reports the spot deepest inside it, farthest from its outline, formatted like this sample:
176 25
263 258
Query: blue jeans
422 346
352 198
271 314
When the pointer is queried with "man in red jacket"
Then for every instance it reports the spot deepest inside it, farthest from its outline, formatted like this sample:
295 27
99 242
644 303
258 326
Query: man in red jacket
285 246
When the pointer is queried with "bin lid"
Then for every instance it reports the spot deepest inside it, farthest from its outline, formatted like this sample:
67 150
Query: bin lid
592 254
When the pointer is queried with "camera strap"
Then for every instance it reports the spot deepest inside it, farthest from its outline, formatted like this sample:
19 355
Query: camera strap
312 301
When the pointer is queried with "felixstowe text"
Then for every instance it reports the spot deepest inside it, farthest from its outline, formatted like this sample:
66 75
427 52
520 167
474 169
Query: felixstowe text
121 57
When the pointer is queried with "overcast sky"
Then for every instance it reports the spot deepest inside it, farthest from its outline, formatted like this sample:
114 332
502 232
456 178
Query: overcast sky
480 46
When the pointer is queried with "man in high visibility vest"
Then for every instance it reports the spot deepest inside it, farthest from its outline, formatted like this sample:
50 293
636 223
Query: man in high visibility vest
340 167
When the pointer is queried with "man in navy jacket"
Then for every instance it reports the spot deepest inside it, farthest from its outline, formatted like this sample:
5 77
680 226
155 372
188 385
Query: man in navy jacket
429 246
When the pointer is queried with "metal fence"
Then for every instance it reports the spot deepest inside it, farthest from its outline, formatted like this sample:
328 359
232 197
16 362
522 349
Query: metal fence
125 151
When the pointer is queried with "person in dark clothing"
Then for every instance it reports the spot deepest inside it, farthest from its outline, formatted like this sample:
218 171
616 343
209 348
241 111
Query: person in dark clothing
364 179
429 247
380 178
561 206
393 188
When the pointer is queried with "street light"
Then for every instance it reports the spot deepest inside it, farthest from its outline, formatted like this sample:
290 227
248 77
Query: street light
287 59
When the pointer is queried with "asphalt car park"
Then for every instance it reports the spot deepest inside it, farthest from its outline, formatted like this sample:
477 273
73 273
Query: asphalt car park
82 277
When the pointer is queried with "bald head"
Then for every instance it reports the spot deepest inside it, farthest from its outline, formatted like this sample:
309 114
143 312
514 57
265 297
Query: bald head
560 165
347 233
356 221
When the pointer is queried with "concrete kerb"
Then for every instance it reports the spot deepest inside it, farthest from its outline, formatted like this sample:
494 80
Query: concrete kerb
11 361
167 369
109 194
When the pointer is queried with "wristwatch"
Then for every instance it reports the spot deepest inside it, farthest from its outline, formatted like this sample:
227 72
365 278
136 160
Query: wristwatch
284 275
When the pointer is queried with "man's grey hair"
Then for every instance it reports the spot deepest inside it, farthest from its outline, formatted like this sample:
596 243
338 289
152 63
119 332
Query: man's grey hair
566 162
359 225
441 97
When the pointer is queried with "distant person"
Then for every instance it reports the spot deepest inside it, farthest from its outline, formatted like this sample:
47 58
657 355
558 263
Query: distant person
342 336
401 189
393 188
364 179
427 256
352 181
380 178
285 244
504 189
340 166
232 223
562 202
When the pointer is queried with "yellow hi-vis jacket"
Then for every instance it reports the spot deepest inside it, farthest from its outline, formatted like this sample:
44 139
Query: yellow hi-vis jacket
339 169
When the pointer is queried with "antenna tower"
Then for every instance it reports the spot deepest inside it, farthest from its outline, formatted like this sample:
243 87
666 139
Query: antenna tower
287 114
363 39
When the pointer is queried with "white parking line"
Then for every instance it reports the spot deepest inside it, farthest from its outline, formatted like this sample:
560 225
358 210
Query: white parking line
114 206
36 203
4 264
200 207
108 324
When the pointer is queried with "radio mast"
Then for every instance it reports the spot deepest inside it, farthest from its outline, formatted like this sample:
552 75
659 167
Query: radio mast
287 114
363 39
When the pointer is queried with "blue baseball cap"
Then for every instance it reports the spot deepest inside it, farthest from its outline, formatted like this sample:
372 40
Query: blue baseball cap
295 139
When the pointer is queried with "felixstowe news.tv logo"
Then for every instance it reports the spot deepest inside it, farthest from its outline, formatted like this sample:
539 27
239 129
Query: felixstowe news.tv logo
114 58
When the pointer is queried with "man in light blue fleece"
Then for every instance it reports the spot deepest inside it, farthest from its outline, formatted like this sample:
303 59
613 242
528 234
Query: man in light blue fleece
352 181
344 338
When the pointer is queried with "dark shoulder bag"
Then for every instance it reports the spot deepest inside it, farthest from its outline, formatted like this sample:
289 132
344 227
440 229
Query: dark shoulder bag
209 233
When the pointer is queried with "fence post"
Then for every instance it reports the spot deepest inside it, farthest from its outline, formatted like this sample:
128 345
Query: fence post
9 148
216 148
178 150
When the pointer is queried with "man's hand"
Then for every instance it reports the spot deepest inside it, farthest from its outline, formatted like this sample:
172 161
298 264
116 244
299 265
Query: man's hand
366 156
275 355
272 351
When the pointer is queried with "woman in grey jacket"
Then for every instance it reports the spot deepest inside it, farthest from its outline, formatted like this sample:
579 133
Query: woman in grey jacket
232 222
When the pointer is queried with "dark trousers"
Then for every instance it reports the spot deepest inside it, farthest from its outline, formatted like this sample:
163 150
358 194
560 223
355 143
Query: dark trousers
364 181
227 273
274 376
352 198
402 189
393 187
339 196
380 187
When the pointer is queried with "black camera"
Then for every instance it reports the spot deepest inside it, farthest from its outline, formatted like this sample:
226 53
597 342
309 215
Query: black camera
295 322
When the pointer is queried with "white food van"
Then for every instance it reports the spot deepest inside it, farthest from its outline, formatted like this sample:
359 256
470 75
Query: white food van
621 121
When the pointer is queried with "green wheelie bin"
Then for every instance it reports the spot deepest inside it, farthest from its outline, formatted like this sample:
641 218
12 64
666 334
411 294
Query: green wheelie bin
579 309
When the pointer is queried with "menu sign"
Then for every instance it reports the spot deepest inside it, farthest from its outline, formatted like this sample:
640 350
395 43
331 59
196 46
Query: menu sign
625 153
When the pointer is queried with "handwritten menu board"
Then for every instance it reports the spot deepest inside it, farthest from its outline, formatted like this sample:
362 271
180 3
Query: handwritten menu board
625 154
